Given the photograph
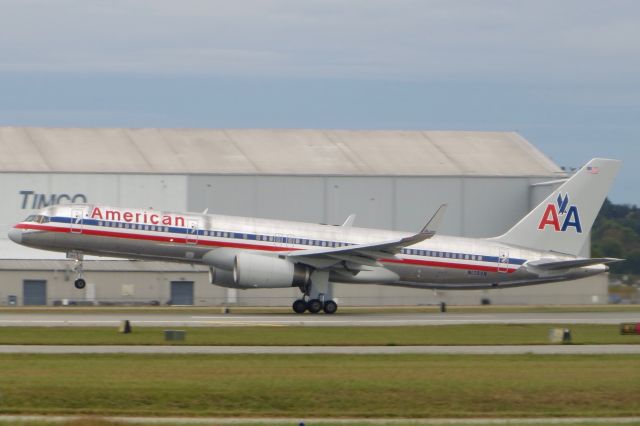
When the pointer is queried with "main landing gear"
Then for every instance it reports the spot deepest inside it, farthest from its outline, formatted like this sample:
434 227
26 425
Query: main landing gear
317 296
314 306
79 283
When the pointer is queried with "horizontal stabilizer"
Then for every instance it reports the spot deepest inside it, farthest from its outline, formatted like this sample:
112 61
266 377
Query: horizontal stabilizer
553 264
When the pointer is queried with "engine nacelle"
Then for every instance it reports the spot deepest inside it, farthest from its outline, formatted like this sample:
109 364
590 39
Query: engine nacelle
257 271
221 257
221 277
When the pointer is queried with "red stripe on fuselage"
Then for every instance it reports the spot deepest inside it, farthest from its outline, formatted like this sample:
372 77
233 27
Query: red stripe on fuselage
451 265
200 242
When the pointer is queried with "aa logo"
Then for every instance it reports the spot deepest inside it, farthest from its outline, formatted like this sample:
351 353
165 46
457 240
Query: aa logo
561 212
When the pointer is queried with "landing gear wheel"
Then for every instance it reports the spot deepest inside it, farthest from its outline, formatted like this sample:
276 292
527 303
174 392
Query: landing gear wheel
330 307
314 306
80 283
299 306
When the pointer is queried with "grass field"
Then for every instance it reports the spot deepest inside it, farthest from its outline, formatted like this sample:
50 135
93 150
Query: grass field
475 334
90 421
322 386
97 421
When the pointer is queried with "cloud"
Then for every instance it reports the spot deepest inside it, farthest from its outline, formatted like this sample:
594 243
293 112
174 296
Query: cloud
404 39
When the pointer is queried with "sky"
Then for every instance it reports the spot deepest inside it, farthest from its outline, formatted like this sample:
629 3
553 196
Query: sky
565 74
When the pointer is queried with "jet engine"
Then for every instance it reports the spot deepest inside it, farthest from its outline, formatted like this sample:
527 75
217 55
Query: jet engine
221 277
258 271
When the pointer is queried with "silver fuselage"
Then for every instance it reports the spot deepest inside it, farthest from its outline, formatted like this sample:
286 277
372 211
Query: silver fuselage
439 262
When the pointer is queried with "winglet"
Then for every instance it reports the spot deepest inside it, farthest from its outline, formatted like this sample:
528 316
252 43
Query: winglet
349 222
434 223
429 229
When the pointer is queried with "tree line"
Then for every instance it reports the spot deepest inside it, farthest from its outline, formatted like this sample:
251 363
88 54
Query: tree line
616 233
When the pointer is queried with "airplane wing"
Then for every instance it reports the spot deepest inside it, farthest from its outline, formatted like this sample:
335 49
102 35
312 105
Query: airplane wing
552 264
367 254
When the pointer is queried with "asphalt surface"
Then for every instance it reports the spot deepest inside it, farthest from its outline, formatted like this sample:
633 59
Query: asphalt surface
347 350
170 319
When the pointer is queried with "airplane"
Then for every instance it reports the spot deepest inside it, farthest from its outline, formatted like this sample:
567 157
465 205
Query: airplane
244 253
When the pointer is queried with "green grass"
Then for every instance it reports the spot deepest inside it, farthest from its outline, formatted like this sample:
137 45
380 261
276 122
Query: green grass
298 386
91 421
475 334
96 421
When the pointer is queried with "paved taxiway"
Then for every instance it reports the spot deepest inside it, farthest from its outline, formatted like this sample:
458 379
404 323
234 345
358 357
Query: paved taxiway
347 350
171 319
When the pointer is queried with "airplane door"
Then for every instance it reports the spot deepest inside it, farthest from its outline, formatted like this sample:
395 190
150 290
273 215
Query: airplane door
503 260
192 232
76 221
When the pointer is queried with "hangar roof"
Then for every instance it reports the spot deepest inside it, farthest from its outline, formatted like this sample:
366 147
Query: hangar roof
270 152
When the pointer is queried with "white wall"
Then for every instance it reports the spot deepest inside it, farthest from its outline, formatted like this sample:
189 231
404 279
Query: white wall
142 191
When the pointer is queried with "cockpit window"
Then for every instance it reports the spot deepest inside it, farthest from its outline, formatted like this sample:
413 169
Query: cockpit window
38 218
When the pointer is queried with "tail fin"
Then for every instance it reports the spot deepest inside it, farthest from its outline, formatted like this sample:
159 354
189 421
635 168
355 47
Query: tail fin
562 221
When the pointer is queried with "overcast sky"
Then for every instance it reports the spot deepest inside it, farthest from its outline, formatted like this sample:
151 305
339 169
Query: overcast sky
565 74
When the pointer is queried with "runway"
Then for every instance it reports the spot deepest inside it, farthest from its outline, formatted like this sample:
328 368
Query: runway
180 319
326 350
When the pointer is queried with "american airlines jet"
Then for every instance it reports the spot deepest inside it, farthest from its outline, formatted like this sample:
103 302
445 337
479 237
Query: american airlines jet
248 253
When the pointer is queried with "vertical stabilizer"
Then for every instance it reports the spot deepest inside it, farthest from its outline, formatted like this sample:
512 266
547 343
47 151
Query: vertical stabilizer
562 221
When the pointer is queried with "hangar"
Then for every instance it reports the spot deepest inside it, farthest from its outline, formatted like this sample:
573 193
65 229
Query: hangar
389 179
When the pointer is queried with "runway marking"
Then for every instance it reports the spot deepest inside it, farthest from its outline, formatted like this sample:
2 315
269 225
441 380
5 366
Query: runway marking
289 421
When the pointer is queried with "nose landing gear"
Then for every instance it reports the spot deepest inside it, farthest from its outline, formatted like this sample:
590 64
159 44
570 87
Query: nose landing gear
79 282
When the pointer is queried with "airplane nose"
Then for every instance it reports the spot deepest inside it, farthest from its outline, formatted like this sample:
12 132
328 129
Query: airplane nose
15 235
